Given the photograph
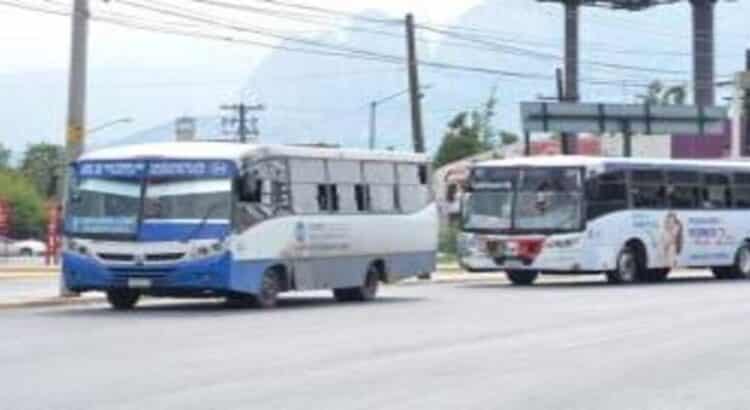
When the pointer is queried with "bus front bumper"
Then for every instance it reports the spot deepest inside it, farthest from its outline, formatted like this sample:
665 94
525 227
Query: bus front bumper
216 275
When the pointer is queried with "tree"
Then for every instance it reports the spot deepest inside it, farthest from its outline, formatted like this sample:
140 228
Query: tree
44 165
461 140
5 154
27 217
658 94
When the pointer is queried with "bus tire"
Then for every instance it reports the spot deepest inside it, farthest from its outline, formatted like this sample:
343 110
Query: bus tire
522 277
268 294
122 299
630 267
365 293
741 267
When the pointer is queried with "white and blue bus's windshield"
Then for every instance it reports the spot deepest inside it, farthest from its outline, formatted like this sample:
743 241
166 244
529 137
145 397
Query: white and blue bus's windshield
528 199
150 200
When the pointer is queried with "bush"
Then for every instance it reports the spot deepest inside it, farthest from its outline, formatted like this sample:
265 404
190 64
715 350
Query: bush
27 205
447 241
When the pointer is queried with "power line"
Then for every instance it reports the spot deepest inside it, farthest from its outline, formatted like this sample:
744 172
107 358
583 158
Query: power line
344 52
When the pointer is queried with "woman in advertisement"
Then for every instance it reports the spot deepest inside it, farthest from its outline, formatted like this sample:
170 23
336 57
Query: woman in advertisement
672 239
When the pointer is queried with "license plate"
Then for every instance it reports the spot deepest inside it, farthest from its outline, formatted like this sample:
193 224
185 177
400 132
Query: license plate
139 283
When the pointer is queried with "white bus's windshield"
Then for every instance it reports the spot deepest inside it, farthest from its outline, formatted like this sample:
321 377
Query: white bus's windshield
529 199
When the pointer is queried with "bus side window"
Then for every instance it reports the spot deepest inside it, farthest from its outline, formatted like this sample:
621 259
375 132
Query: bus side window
606 193
328 198
362 197
717 193
684 189
648 190
741 190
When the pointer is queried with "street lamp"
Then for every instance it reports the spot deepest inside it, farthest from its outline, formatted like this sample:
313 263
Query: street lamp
94 130
374 111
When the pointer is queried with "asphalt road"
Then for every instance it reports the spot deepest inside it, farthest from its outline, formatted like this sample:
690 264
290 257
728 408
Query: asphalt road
579 345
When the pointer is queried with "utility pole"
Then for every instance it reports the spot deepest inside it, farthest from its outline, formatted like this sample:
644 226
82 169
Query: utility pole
74 140
568 141
76 121
415 92
745 134
241 110
703 51
373 122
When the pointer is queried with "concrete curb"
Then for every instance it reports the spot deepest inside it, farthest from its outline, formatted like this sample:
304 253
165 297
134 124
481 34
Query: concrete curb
51 301
27 268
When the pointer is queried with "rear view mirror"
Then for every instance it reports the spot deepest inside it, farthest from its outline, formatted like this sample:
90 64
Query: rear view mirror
250 187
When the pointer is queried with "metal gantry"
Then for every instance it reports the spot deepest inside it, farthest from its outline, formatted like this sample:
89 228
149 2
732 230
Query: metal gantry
703 41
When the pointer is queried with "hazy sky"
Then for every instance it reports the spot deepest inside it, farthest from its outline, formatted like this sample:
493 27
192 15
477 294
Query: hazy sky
156 77
31 41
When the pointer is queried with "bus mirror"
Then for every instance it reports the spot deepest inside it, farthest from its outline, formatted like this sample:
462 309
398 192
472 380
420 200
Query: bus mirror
249 188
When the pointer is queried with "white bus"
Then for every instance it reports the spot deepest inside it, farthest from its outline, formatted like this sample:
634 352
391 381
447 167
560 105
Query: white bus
631 219
246 222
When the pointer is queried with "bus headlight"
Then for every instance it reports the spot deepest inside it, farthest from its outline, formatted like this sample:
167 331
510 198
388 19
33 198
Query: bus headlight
76 247
205 250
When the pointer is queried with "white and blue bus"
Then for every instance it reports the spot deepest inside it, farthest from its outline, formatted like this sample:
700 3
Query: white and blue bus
246 222
631 219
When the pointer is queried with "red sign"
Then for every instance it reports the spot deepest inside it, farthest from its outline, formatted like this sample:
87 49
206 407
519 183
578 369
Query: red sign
53 234
4 218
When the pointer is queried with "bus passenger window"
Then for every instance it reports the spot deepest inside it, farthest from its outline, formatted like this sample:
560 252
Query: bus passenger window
648 190
362 197
328 198
323 197
606 193
684 190
717 193
741 191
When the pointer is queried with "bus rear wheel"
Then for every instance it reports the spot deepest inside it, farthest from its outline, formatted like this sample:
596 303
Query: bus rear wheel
740 269
122 299
630 267
367 292
522 277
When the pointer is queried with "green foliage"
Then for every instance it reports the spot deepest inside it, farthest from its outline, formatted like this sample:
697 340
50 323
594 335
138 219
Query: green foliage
471 132
44 165
27 219
4 157
659 94
447 241
461 140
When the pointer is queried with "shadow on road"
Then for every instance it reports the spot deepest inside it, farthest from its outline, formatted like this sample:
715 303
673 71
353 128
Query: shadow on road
601 283
217 307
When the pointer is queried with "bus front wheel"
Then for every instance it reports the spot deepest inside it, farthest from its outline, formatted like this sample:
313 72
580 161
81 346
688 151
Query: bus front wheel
123 299
629 267
522 277
268 294
367 292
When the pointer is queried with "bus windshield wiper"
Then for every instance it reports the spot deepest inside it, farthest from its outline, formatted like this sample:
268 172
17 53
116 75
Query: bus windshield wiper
204 220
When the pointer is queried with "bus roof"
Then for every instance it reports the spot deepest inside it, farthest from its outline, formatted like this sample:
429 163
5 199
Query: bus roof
609 162
238 152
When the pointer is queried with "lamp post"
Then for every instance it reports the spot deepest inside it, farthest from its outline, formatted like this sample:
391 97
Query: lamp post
374 112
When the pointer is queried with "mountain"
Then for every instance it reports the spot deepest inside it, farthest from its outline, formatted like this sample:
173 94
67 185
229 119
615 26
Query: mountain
312 98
